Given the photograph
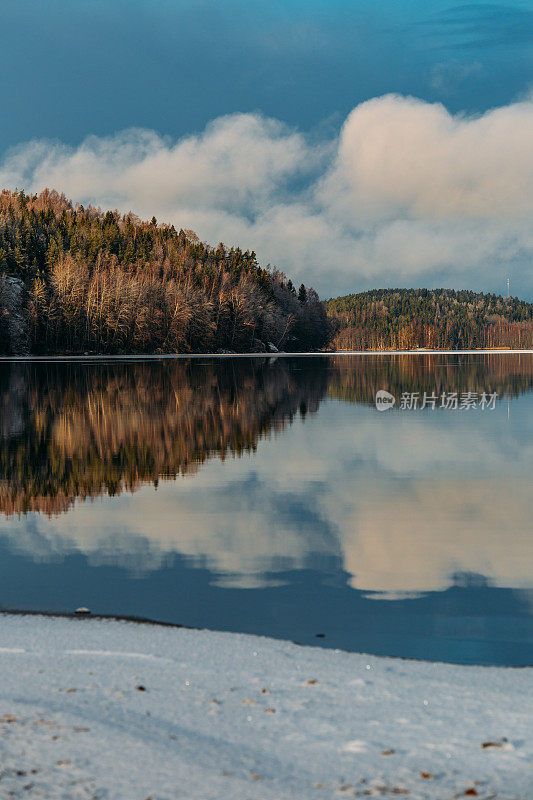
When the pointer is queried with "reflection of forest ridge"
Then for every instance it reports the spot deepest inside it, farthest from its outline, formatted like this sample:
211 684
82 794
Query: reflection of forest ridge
74 430
506 374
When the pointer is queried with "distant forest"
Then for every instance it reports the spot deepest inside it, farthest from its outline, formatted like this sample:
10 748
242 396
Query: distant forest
405 319
75 280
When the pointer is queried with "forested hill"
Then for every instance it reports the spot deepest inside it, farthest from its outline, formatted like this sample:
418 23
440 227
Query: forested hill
441 318
75 279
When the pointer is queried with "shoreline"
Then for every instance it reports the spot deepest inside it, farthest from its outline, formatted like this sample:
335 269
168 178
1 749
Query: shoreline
108 709
170 356
133 620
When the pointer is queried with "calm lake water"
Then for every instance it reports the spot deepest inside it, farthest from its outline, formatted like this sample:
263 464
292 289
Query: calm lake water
271 496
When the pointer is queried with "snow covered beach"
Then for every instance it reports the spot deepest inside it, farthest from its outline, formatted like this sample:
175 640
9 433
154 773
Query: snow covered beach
108 709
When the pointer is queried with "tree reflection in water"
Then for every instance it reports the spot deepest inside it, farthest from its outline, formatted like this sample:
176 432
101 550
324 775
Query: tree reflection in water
77 430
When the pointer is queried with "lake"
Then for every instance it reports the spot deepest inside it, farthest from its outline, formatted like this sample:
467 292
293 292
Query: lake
273 496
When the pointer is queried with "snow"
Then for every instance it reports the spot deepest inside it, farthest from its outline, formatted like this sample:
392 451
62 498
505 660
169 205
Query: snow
110 709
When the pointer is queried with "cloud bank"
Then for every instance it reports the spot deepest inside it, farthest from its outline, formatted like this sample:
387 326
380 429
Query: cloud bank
406 194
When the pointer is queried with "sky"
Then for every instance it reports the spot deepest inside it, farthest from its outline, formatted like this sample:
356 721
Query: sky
353 144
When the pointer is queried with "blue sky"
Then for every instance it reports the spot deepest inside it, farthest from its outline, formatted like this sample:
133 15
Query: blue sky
78 68
73 67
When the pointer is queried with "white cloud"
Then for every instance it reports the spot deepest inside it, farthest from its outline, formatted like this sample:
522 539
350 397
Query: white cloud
407 193
403 158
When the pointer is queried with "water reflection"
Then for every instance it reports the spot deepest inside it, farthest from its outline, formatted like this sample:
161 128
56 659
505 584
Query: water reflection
266 470
73 431
70 431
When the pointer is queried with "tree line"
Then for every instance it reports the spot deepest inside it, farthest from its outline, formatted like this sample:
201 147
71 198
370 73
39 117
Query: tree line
405 319
75 279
